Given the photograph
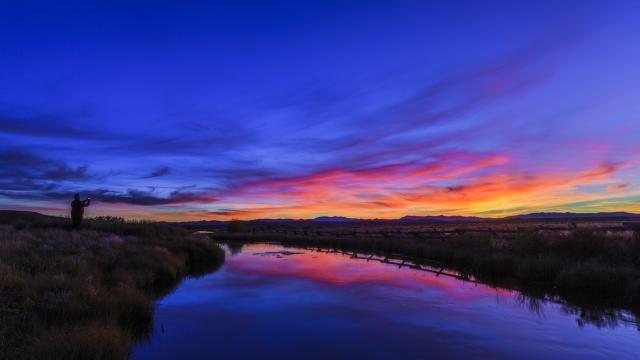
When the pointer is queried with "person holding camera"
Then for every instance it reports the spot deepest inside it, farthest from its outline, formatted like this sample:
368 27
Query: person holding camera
77 210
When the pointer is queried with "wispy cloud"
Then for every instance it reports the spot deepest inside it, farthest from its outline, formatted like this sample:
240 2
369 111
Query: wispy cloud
414 118
162 171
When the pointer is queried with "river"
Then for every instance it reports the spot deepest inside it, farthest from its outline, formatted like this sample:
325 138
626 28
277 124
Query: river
272 302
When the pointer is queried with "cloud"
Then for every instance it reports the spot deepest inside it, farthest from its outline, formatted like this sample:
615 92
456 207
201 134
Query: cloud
224 212
23 170
454 96
24 184
129 197
165 170
433 150
64 172
465 183
46 126
618 187
143 198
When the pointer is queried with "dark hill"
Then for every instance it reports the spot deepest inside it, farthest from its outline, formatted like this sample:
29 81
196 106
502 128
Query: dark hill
9 217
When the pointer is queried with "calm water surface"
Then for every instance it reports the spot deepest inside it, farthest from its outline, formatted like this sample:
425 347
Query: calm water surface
308 305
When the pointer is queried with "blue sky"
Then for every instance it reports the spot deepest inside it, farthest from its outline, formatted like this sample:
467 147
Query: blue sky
239 109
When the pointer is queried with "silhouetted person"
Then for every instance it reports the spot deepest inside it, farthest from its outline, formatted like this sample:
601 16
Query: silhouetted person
77 210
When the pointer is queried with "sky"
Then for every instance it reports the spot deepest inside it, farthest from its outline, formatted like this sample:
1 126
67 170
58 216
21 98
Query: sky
187 110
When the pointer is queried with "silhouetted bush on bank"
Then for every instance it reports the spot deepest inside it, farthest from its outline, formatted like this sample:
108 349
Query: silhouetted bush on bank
89 294
632 295
235 226
594 279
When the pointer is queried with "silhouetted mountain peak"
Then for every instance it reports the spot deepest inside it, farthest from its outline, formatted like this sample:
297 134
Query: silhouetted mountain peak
335 219
442 218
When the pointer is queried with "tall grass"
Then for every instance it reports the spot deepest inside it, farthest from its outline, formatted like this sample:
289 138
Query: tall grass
89 294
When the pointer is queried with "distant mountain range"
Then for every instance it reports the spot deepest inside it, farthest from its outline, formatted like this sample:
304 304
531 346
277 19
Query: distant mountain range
340 219
441 218
533 216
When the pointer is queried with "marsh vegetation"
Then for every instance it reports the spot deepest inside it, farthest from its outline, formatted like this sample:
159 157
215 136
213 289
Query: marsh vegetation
89 294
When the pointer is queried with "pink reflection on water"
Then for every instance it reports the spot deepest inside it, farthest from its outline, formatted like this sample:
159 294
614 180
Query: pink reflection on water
339 269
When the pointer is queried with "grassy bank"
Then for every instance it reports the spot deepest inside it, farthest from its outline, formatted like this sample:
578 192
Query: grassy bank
583 268
89 294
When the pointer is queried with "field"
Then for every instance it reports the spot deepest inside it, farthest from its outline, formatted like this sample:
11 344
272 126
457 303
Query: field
88 294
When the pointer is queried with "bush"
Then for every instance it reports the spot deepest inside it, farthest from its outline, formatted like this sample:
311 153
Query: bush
595 280
543 270
494 266
632 296
584 245
528 245
235 226
20 225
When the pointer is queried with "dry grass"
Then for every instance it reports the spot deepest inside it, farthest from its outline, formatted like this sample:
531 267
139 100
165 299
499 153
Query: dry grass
89 294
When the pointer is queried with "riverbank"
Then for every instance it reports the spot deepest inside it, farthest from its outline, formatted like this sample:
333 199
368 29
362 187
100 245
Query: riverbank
581 268
90 294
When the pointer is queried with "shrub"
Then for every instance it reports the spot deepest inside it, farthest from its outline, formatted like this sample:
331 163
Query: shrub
585 245
545 269
235 226
632 295
595 280
494 266
528 245
20 225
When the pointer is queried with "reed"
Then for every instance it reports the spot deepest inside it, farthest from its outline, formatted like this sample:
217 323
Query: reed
89 294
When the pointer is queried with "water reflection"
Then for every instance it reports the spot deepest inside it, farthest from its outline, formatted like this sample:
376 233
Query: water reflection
234 248
273 302
534 305
532 301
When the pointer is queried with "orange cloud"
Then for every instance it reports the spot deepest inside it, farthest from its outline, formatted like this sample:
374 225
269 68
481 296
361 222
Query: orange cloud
460 183
618 187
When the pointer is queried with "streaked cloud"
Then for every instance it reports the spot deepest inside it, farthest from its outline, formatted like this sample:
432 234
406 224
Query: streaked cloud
225 112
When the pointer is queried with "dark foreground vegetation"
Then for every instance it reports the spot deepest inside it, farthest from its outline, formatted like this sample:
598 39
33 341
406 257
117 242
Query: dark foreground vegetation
89 294
581 266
